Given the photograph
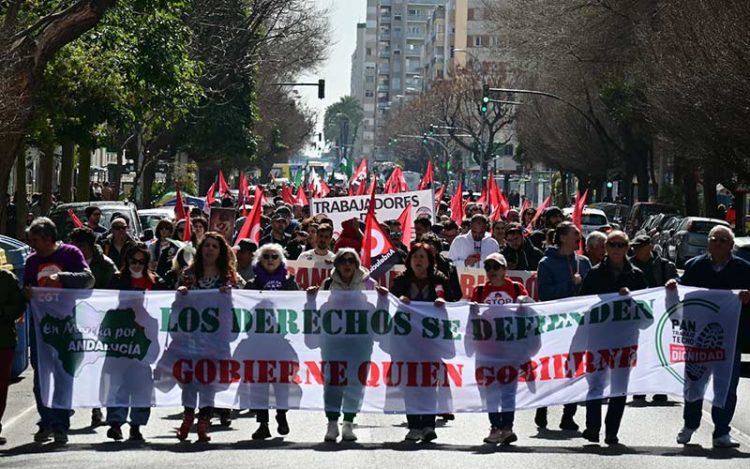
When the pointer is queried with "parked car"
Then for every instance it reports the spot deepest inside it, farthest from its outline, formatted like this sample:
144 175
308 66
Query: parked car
742 247
150 217
65 225
661 236
690 238
616 213
641 211
591 220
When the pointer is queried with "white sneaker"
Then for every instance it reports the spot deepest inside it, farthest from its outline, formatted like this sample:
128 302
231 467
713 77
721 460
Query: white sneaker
347 432
725 441
684 436
333 431
414 434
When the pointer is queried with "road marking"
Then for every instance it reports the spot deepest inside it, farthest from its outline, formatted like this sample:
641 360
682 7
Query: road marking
9 423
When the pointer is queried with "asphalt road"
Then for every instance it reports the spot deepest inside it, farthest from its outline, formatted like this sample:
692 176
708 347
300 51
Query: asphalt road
648 437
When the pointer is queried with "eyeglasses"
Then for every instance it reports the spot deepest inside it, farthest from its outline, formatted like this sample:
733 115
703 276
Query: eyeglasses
138 261
493 266
617 245
720 240
269 257
347 260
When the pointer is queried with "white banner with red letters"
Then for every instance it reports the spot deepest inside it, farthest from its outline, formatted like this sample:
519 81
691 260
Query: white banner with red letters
361 351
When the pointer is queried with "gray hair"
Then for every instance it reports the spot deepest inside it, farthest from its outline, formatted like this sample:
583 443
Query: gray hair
271 248
595 239
723 228
43 227
344 251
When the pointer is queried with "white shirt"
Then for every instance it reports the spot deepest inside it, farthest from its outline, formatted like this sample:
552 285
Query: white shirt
464 246
311 255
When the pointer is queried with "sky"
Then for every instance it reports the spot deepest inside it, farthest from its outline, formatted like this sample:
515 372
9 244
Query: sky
344 16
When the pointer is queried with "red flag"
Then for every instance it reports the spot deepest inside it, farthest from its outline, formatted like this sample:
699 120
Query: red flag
578 214
539 211
324 190
373 185
301 197
359 176
76 221
210 199
251 227
187 232
457 204
407 225
378 254
526 204
439 195
396 182
428 178
179 206
497 200
244 190
223 186
287 196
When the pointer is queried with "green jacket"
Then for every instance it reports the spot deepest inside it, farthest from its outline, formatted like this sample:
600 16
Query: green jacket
12 306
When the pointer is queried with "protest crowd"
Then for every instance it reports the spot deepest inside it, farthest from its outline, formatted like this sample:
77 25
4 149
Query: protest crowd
274 227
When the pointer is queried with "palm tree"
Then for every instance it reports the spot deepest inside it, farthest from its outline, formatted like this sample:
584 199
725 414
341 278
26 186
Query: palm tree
341 122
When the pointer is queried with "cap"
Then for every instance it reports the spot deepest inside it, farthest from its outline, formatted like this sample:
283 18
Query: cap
497 257
246 245
284 210
641 240
278 216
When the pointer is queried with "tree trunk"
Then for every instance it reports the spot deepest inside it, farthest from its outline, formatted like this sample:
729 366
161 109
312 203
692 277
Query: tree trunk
83 193
46 168
691 193
21 202
117 173
66 171
710 204
148 182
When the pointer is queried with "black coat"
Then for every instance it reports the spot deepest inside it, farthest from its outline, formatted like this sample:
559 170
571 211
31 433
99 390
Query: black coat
528 256
601 279
402 286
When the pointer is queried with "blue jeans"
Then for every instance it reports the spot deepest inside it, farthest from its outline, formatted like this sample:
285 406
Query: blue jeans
118 415
721 417
54 420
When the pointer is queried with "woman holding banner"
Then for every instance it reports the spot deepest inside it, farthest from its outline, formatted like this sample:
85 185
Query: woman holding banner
422 282
129 384
271 274
347 277
560 273
212 267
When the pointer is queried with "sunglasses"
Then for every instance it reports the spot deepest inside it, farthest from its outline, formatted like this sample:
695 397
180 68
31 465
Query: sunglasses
493 266
616 244
138 261
720 240
346 260
269 257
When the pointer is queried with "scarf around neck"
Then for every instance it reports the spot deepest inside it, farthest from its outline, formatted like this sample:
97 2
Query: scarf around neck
274 281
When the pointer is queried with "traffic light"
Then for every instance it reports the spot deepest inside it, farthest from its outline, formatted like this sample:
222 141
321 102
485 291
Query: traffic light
609 185
321 89
431 132
485 99
425 141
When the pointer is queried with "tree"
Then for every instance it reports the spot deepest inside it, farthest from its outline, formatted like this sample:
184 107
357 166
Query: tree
341 123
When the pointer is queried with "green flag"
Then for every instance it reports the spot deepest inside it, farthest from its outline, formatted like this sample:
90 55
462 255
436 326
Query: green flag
298 177
346 167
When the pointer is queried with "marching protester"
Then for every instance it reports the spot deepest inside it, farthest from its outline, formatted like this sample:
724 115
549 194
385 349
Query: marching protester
499 290
163 248
498 232
213 266
199 229
245 252
421 282
657 270
270 274
614 274
471 248
560 274
135 275
11 311
552 216
277 234
527 215
526 255
347 275
718 269
52 265
93 220
118 241
421 226
595 248
321 253
446 267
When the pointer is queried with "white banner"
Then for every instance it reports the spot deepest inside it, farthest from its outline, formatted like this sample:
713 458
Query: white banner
387 207
358 351
309 273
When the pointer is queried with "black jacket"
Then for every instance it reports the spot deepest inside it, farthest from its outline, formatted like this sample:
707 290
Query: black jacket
601 279
453 287
528 256
402 287
657 270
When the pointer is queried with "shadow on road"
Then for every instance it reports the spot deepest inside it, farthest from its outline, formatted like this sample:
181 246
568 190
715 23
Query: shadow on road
693 451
